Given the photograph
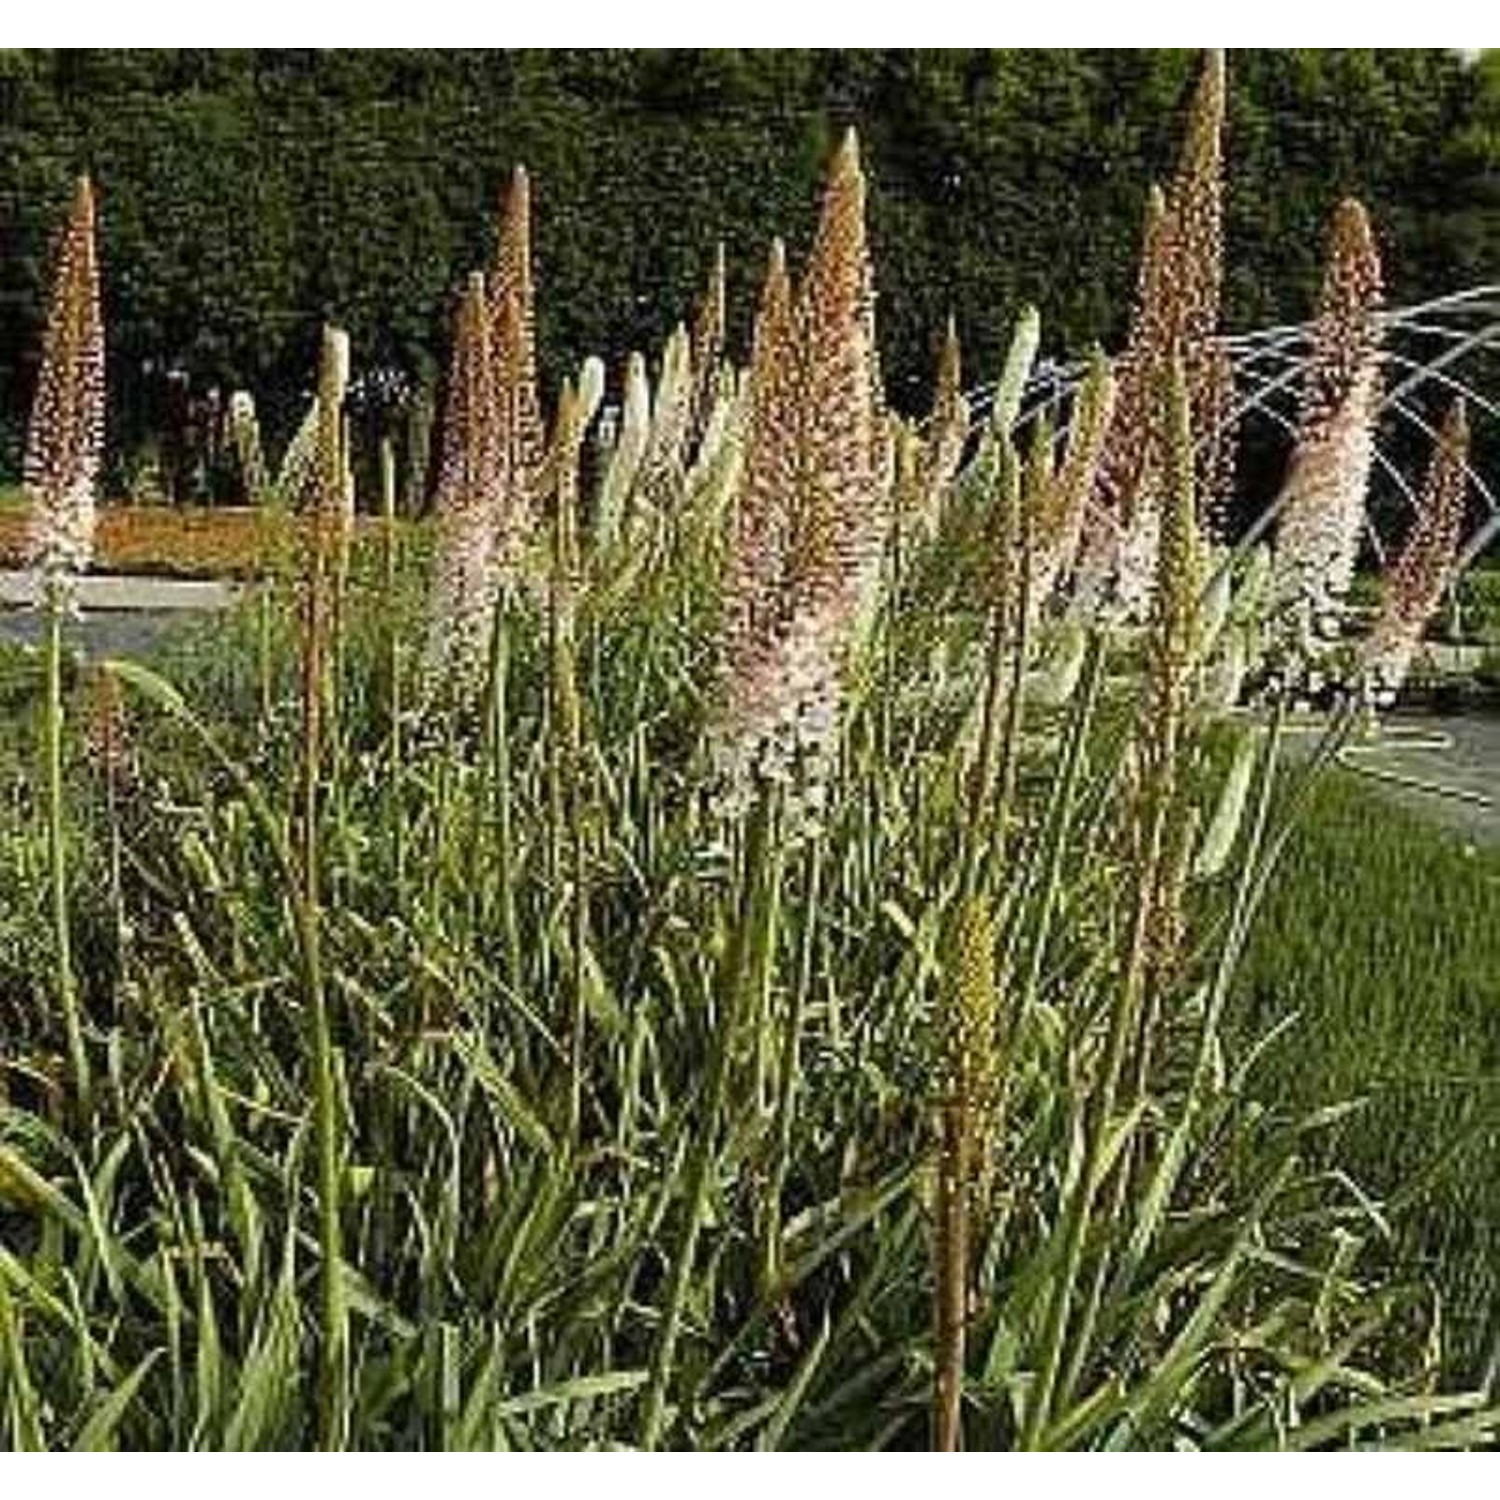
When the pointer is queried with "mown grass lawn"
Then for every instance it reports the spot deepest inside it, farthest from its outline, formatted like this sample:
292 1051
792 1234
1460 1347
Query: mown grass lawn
1382 935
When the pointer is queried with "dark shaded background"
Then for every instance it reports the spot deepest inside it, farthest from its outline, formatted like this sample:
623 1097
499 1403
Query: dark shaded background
245 196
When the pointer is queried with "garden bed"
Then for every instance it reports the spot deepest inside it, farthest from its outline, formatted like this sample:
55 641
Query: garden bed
162 540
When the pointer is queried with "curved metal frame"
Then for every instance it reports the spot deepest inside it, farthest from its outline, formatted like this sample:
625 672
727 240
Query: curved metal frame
1269 361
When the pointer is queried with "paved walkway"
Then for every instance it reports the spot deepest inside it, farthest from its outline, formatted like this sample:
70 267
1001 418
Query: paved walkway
1446 768
122 615
120 591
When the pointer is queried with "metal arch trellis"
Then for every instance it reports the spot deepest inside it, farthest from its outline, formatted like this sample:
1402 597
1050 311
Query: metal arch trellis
1268 363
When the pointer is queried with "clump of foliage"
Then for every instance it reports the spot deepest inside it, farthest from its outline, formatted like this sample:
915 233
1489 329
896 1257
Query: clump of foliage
773 993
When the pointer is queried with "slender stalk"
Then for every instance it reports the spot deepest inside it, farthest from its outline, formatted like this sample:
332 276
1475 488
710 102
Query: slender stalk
989 735
1241 910
264 606
500 791
789 1064
768 900
390 561
1122 1025
954 1170
67 985
566 744
1061 819
751 941
1010 741
333 1405
968 1068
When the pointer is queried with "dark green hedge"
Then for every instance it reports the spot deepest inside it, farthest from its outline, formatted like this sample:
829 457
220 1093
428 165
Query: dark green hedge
246 195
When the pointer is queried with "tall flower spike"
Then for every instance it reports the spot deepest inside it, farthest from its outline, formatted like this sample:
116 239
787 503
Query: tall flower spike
1062 524
1168 682
1414 583
629 450
1118 474
947 428
847 171
65 439
968 1072
464 585
590 389
511 274
1179 582
520 437
1197 199
1177 309
1150 327
752 688
1323 505
1019 358
519 442
708 338
335 478
809 529
835 318
244 431
1005 405
664 466
1347 332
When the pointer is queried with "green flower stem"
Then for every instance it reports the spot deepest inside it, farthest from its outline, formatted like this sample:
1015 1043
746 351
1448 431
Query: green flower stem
67 986
747 956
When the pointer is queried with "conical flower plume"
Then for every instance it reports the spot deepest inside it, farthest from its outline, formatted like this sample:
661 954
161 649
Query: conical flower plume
590 389
809 527
629 450
335 477
520 437
1177 309
1323 505
1061 529
836 326
1197 203
1177 597
511 273
969 1091
947 428
1196 199
1347 333
1171 668
65 439
708 338
1117 482
520 443
244 432
755 694
664 465
1025 340
1414 583
296 479
465 584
